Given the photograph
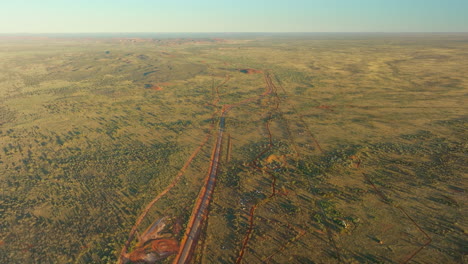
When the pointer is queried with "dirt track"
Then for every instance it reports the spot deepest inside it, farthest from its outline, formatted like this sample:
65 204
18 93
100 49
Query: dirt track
201 207
200 210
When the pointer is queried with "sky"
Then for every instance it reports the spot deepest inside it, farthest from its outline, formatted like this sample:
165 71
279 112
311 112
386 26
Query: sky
88 16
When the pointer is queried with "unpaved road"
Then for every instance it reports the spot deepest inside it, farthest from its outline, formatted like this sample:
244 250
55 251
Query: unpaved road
200 210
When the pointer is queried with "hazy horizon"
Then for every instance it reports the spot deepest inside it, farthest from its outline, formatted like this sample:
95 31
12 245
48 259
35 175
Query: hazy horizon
203 16
227 35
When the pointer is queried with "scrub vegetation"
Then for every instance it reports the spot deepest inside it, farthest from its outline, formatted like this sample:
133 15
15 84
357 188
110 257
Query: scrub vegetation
337 148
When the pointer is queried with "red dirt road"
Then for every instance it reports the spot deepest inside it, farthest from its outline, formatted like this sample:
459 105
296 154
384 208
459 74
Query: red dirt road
200 210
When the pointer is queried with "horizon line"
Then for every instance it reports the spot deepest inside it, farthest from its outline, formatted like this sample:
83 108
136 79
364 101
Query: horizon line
228 32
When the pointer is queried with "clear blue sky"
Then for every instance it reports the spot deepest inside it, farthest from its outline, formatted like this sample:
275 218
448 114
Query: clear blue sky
63 16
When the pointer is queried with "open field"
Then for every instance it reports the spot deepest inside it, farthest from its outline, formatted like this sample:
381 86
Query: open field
357 154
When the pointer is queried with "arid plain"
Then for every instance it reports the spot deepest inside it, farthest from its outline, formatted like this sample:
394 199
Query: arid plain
337 148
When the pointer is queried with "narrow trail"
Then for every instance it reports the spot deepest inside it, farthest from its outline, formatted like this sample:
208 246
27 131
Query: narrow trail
311 135
200 210
160 195
176 180
254 164
300 233
387 201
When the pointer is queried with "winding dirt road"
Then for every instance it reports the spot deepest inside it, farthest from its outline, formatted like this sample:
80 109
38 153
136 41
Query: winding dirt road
200 210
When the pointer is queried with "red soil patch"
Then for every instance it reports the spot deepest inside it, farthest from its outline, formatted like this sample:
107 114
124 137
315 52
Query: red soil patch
326 107
165 247
250 71
153 87
137 255
155 250
160 86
